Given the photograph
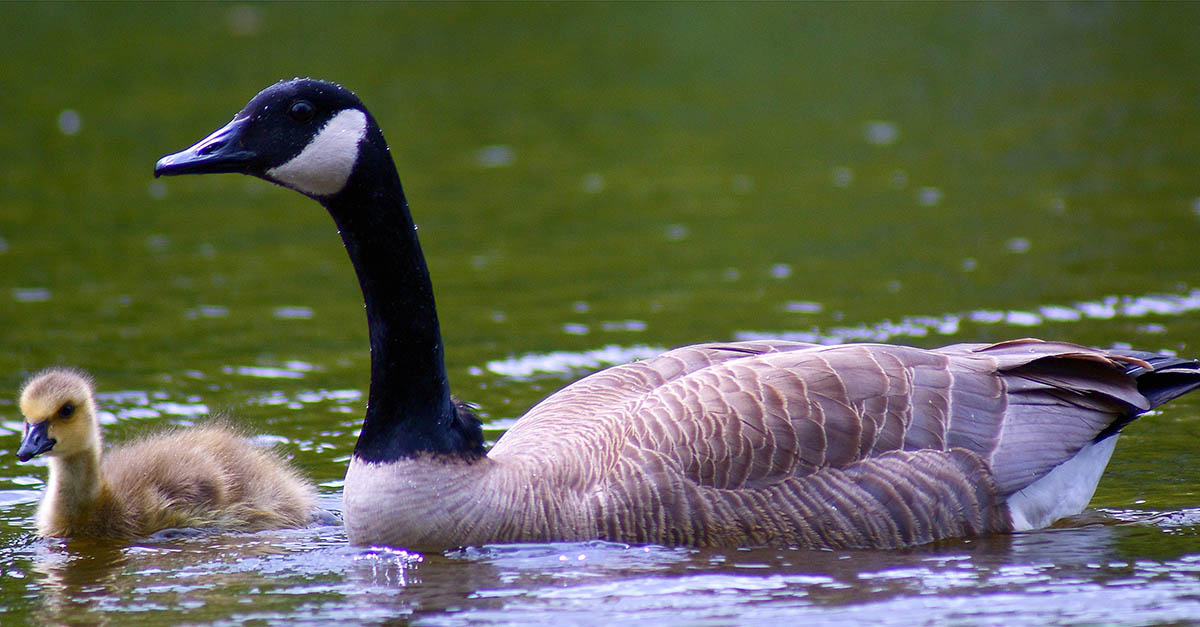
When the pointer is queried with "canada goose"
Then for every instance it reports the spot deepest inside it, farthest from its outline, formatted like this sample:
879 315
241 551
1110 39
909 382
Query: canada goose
747 443
204 476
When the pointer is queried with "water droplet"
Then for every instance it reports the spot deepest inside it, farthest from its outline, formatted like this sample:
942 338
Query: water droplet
564 361
898 179
580 306
984 316
575 328
842 176
266 372
157 242
69 122
243 20
676 232
929 196
1018 245
781 271
1022 318
881 132
802 306
295 312
496 156
31 294
969 264
631 326
207 311
1059 314
593 183
157 189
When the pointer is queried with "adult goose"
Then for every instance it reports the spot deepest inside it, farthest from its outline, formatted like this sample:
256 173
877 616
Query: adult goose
745 443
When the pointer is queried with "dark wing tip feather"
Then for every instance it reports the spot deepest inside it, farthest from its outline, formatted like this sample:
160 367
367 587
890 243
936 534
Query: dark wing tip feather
1162 378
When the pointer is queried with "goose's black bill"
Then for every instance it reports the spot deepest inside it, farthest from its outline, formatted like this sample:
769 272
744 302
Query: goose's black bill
36 440
221 151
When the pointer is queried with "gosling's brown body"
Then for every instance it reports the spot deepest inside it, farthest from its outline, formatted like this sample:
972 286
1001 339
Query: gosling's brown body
208 476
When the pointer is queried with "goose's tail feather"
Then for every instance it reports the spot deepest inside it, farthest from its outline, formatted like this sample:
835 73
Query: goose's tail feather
1166 379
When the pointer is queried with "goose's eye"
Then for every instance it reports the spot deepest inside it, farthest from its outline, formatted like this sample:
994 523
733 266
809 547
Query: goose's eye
67 410
302 111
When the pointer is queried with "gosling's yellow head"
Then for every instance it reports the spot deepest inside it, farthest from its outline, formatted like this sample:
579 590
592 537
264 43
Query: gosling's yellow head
60 414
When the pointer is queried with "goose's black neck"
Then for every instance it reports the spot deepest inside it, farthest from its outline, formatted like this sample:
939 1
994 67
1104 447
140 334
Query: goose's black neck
409 408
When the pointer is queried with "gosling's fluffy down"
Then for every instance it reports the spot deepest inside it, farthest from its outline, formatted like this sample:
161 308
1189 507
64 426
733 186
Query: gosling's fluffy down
207 476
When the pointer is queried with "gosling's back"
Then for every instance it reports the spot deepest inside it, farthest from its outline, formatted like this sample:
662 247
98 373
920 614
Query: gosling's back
207 476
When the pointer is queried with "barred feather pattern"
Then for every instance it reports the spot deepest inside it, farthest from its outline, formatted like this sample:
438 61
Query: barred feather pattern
771 443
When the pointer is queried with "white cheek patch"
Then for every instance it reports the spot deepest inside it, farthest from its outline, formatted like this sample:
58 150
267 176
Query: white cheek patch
325 164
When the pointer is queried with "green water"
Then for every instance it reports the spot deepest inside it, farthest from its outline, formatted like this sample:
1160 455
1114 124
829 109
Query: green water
587 176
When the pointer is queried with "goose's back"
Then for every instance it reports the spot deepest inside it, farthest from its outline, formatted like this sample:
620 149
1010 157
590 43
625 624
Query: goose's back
851 445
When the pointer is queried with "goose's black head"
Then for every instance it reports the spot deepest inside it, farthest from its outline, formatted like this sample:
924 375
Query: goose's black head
304 134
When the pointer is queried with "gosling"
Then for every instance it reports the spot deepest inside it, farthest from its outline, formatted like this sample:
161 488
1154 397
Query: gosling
208 476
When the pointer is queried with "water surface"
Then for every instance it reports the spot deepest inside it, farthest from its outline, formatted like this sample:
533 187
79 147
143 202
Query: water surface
593 184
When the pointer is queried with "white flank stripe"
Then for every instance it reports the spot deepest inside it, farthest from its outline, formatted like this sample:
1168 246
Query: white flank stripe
325 164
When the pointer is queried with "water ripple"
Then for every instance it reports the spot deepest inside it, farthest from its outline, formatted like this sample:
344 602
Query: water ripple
529 364
1109 307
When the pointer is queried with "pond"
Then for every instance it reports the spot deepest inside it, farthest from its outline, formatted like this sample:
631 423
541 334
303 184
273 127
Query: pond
593 184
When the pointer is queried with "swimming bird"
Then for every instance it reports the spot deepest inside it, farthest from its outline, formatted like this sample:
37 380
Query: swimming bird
725 444
208 476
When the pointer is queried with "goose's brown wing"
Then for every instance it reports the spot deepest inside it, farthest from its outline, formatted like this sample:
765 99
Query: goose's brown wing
851 445
1023 407
591 417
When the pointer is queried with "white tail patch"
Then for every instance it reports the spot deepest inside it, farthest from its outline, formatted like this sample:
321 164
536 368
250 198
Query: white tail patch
1064 491
325 164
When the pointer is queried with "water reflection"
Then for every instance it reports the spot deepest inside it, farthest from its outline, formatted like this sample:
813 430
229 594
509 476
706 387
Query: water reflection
1029 571
176 573
566 362
1098 572
1106 308
529 364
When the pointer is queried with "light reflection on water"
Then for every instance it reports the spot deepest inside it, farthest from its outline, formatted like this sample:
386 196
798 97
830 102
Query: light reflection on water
919 326
1089 573
1105 308
1075 574
1093 573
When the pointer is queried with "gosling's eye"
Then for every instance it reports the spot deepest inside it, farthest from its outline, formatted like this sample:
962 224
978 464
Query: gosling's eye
67 410
302 111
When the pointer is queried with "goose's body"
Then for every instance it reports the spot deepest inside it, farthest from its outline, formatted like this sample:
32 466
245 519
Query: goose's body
781 443
207 476
745 443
